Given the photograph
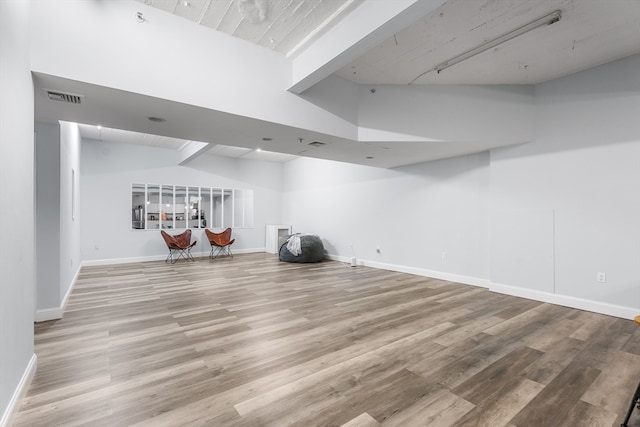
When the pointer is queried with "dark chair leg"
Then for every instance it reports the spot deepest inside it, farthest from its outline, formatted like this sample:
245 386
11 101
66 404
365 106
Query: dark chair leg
184 254
634 402
217 251
175 255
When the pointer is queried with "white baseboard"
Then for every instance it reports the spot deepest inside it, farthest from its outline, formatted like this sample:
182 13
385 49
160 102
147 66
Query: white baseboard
458 278
18 395
63 304
46 314
130 260
54 313
565 300
235 251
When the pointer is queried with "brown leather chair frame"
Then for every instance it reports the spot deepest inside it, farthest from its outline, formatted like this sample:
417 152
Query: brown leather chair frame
220 243
179 246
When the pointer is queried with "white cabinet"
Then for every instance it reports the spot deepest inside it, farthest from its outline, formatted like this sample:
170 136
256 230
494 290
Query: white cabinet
274 233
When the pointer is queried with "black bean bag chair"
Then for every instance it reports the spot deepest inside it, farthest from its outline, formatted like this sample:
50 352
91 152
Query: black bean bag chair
311 249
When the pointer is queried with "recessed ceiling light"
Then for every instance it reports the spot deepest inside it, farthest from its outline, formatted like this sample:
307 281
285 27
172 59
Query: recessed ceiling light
267 139
258 149
99 127
157 119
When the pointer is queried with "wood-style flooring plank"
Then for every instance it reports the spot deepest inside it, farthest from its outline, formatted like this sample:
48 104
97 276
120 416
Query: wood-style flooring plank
251 341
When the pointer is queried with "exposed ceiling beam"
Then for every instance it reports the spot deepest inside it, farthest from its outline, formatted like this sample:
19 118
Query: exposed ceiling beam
367 26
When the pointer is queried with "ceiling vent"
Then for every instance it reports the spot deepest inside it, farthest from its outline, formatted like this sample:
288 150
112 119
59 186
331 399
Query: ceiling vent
317 144
70 98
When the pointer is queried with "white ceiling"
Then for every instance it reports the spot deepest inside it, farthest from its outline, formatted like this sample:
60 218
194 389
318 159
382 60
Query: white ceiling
590 33
593 32
281 25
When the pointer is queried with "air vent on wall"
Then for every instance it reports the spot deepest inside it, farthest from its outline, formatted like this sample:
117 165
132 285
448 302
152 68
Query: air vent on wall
317 144
71 98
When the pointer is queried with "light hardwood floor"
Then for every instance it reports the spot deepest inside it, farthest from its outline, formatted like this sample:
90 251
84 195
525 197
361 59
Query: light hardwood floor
250 341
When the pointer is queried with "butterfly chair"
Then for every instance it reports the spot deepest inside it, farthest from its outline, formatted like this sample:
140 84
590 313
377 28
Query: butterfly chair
220 243
635 401
179 246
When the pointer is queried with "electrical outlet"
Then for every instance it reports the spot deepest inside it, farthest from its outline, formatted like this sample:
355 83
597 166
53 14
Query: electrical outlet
602 278
444 255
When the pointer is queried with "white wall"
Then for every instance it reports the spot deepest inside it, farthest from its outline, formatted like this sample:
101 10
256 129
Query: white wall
57 232
537 220
48 218
70 253
568 206
109 169
412 214
17 210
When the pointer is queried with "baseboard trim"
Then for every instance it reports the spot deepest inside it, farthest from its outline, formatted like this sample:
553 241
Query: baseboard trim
19 393
458 278
565 300
65 300
46 314
55 313
131 260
